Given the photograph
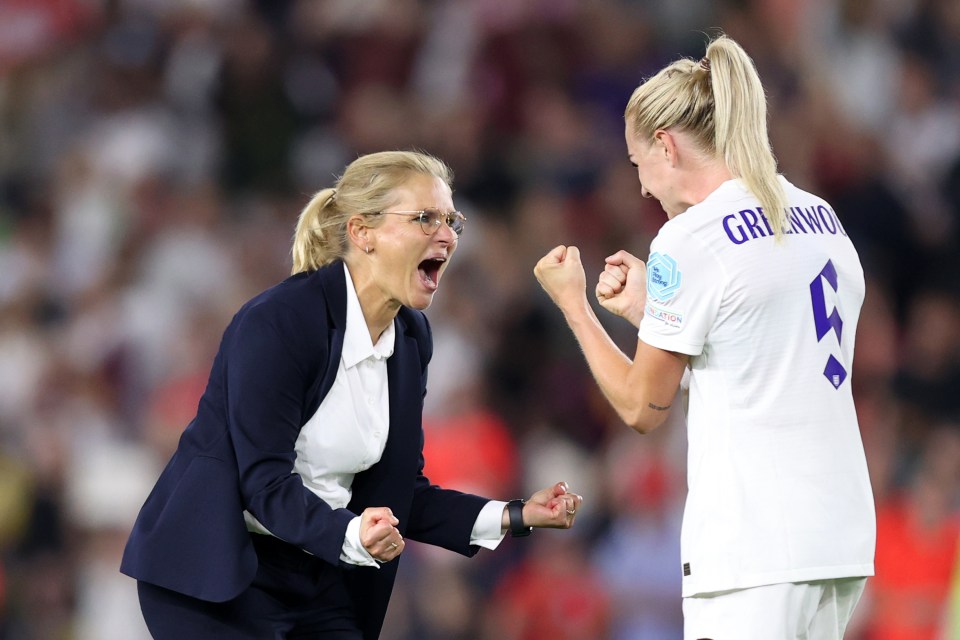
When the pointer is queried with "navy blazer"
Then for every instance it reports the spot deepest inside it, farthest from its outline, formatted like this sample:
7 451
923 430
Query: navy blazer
277 360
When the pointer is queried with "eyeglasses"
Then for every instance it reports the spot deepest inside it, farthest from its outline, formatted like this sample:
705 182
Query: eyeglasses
430 219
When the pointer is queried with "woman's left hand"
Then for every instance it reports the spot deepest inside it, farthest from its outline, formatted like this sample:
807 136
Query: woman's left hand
552 508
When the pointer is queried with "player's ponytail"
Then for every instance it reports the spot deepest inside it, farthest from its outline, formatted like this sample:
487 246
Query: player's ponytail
740 127
720 101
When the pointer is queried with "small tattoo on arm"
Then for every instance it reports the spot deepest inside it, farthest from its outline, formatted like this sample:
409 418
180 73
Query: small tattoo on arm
657 407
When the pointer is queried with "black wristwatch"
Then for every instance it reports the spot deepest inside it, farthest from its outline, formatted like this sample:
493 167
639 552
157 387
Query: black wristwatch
515 515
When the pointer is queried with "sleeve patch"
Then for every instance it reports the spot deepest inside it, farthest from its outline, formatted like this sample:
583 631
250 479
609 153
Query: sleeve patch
663 277
670 317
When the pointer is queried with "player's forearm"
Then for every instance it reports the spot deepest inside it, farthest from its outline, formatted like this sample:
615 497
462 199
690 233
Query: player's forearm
608 364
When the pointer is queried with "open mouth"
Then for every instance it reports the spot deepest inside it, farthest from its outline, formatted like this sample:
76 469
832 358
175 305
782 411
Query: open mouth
429 271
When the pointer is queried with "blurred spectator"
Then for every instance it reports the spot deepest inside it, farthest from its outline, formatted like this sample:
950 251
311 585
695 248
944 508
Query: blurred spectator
917 536
554 593
473 450
644 587
929 374
33 29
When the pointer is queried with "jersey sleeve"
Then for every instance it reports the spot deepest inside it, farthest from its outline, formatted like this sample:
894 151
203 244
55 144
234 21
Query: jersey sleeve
685 283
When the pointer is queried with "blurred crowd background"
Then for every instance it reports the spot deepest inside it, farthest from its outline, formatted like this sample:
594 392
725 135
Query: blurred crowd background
154 155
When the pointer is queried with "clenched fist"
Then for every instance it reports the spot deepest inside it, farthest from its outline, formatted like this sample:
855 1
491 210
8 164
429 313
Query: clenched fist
561 275
622 287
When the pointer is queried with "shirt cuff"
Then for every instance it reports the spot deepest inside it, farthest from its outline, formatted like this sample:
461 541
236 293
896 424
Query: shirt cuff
352 551
488 531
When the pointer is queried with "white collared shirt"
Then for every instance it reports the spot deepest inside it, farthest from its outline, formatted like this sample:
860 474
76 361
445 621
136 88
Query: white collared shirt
349 431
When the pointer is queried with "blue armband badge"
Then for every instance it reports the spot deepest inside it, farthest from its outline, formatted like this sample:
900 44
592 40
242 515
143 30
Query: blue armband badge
663 277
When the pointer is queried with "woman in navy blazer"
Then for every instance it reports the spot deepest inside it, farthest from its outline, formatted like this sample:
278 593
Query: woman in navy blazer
252 530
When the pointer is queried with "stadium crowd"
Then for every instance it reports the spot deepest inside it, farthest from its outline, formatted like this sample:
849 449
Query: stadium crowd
154 155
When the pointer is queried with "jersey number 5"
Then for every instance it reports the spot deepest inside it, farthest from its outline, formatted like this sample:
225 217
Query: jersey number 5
834 371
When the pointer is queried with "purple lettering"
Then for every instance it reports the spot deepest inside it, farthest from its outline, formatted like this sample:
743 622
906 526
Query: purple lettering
741 236
811 219
753 223
795 220
836 219
766 222
828 220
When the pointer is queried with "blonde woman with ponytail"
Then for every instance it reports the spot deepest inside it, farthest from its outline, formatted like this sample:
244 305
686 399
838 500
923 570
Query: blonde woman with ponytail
750 295
294 491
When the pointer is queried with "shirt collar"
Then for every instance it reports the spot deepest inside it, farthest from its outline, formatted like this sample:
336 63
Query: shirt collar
357 345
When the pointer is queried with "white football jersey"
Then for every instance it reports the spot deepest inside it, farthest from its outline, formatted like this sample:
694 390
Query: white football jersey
777 477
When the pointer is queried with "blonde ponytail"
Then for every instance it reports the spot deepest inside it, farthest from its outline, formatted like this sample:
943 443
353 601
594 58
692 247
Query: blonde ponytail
740 127
720 101
315 242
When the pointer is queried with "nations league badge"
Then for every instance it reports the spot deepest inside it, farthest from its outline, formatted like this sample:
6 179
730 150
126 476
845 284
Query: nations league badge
663 277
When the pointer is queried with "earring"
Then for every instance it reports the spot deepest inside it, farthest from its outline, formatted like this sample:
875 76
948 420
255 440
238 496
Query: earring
367 249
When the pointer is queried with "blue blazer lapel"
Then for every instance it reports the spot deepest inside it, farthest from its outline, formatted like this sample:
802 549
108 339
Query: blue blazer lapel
330 280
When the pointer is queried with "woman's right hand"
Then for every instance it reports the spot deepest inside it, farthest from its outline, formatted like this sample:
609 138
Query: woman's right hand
379 534
560 273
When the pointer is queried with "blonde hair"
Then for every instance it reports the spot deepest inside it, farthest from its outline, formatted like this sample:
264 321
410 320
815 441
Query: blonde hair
366 187
720 101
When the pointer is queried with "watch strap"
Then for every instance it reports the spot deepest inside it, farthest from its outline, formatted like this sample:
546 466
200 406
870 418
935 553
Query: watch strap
515 515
